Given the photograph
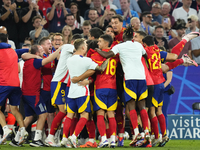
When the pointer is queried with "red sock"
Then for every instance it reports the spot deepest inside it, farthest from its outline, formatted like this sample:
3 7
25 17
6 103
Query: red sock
66 127
90 125
73 126
131 127
174 64
154 125
161 119
144 117
101 125
108 133
178 47
56 122
133 118
80 125
112 126
119 119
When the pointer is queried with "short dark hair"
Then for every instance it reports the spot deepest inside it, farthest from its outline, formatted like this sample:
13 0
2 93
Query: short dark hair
119 17
69 15
78 43
57 34
92 9
109 26
145 13
128 33
92 44
3 38
96 32
159 26
141 33
76 36
41 42
149 40
107 38
113 10
36 17
34 49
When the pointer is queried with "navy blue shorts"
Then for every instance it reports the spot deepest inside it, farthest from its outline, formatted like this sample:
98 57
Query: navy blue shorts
158 95
33 105
58 93
12 93
46 96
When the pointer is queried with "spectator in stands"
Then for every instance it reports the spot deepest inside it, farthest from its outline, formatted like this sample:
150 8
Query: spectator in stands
157 18
133 6
4 30
27 15
135 22
184 11
57 40
180 27
159 39
38 32
166 7
196 5
67 34
192 22
196 49
97 6
93 15
21 4
126 12
28 40
78 19
56 16
106 18
146 5
146 22
9 19
166 23
83 5
86 28
105 3
69 20
175 4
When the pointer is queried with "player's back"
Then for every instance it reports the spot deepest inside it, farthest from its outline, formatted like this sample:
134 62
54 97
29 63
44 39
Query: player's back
130 54
61 69
8 66
154 60
77 65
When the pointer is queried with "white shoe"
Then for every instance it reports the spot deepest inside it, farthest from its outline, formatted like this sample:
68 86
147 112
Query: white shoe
66 143
72 141
23 137
5 135
188 60
103 144
50 142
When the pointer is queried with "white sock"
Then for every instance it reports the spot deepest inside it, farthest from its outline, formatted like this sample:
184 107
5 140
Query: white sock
74 136
17 136
92 140
5 128
103 138
136 131
38 135
146 131
22 130
50 136
121 134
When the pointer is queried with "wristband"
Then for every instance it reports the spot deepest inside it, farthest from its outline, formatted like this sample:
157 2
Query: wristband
53 6
10 10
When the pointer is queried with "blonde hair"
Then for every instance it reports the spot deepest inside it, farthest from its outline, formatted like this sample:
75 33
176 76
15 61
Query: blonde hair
193 17
134 19
70 35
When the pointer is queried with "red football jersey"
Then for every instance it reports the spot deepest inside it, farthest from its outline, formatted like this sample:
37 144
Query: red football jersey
47 74
119 37
154 60
106 79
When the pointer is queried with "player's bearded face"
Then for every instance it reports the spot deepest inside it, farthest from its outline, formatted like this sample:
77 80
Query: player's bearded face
116 24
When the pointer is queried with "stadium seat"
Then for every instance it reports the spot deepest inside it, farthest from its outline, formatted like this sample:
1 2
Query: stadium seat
196 106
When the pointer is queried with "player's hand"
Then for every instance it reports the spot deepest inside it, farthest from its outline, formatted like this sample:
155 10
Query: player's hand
75 79
84 83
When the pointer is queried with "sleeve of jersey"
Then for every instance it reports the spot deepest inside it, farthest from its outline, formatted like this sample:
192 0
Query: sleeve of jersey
21 51
91 64
163 56
97 58
37 63
115 49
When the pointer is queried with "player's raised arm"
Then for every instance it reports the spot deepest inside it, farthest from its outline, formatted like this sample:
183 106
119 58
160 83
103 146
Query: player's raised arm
105 54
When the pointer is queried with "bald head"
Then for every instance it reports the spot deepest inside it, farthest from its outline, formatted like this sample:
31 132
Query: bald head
3 30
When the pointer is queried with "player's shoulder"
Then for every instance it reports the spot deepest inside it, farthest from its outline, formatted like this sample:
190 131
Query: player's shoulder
68 47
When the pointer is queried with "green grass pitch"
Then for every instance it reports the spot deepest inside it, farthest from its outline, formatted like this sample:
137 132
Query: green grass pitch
171 145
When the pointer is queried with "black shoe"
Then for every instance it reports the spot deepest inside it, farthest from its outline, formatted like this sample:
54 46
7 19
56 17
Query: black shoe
38 143
14 143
